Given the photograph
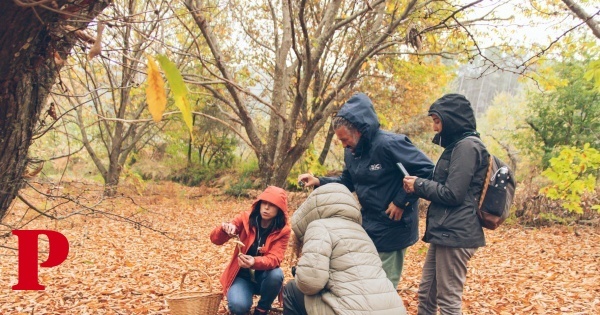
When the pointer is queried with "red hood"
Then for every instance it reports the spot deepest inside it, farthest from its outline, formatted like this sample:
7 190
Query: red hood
276 196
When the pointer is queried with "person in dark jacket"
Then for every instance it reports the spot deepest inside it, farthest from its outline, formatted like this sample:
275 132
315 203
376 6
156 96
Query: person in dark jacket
389 214
452 226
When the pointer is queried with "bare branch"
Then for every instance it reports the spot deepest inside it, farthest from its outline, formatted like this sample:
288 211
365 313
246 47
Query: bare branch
87 210
26 3
233 91
166 114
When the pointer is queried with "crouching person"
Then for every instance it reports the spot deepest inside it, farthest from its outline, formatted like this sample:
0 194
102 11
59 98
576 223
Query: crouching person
339 270
254 268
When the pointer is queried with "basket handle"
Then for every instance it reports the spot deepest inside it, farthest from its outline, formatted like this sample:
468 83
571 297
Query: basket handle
202 273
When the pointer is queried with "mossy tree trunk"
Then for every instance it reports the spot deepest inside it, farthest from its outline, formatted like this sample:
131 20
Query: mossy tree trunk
35 40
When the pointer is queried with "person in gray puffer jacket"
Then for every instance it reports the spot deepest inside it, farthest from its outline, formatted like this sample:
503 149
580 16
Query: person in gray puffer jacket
339 270
452 226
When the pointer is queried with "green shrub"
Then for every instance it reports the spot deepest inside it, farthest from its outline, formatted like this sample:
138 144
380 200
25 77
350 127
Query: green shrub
240 188
248 167
573 174
195 175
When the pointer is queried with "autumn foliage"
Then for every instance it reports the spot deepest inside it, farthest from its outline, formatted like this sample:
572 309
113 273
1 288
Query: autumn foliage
116 267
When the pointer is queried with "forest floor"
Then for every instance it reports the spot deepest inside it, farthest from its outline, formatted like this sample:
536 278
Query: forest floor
115 267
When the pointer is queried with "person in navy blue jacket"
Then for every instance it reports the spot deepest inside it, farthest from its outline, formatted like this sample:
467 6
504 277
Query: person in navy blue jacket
389 215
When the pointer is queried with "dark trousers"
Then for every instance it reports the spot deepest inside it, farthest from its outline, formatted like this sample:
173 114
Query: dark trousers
293 300
443 280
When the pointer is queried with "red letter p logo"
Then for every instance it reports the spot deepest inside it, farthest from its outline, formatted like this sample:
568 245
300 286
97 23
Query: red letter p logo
58 249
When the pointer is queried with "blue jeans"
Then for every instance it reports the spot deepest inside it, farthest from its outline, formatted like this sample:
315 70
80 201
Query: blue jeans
268 284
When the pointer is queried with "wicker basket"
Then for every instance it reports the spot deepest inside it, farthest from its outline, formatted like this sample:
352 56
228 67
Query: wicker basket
194 303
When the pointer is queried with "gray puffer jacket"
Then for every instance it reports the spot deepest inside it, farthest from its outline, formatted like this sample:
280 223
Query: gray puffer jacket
340 271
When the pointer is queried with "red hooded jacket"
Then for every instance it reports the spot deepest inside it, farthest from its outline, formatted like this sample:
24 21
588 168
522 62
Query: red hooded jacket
275 245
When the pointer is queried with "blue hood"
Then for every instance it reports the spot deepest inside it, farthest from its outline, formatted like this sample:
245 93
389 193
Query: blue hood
359 111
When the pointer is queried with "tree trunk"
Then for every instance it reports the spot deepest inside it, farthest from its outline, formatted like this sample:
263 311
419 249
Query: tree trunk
30 59
276 173
306 53
281 173
111 180
118 138
327 145
189 150
580 12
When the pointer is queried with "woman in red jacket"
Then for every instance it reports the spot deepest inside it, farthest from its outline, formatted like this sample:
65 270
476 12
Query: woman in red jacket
254 269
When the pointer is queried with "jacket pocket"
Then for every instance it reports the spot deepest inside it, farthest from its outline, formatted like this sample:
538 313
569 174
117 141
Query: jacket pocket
441 171
384 218
443 218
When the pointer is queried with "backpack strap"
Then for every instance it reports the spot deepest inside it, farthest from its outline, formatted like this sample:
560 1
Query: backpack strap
488 175
486 183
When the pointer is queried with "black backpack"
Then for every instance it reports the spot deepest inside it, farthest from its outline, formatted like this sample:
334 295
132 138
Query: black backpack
497 193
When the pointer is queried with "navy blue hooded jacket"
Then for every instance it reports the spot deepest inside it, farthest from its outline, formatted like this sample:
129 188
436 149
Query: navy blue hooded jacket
371 171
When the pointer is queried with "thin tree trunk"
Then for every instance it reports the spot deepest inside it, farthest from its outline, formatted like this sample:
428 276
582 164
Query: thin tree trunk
111 181
327 145
280 174
189 152
34 41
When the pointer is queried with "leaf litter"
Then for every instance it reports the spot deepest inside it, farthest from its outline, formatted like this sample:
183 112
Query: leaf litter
119 268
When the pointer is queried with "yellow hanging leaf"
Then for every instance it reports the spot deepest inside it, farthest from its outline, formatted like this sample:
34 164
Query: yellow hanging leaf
186 111
178 88
156 96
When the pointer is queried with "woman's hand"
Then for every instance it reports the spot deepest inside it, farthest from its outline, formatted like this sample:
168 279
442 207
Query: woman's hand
409 184
228 228
245 261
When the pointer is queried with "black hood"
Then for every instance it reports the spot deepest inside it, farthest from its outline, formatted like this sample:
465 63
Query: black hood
458 119
359 111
